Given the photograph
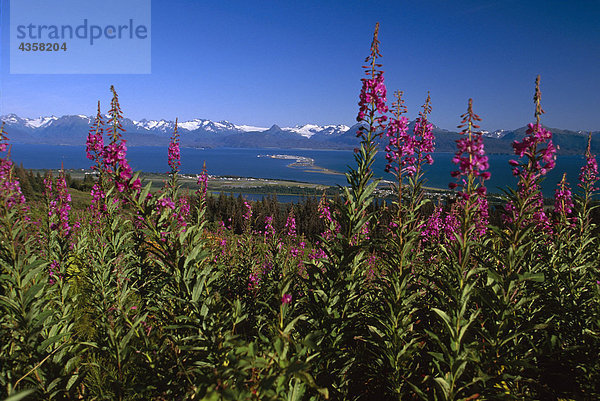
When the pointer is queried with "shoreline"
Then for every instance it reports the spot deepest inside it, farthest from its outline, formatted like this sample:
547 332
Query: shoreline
302 162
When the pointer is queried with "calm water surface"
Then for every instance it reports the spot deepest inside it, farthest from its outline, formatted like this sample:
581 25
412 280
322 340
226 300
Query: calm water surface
246 163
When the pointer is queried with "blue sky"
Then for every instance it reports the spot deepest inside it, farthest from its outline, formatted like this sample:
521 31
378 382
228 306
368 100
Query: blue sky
296 62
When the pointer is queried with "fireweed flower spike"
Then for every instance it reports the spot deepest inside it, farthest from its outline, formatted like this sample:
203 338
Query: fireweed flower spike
589 172
400 143
563 201
372 103
203 182
174 154
472 165
248 215
290 225
423 145
115 153
95 152
59 204
539 161
10 188
423 137
174 161
95 141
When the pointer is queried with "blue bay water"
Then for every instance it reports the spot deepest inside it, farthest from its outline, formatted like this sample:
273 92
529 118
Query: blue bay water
246 163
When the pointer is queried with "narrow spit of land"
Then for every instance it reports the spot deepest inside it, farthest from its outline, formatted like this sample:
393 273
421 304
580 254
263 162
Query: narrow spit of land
307 164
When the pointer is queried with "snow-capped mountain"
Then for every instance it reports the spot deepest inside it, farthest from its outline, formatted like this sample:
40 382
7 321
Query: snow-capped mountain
195 125
30 123
308 130
73 130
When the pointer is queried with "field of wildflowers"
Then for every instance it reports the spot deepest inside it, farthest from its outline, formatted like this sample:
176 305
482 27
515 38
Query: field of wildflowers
138 298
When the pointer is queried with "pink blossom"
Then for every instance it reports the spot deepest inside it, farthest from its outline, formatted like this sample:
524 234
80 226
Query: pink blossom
166 202
10 188
373 94
589 172
286 299
290 225
563 201
248 214
174 154
269 230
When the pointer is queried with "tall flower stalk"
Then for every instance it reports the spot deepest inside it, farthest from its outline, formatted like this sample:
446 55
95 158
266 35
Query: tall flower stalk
10 188
424 145
115 153
456 352
174 159
95 152
528 207
588 179
472 172
400 148
563 202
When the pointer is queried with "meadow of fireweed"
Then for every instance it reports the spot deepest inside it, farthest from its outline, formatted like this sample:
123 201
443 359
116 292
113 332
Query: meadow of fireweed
138 297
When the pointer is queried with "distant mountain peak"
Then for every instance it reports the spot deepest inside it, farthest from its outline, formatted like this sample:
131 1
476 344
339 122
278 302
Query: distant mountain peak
198 132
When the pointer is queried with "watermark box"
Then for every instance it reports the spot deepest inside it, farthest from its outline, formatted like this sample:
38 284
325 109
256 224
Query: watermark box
80 37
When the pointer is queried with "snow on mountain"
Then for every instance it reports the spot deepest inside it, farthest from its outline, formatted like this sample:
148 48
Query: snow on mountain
499 133
191 125
40 121
308 130
250 128
12 119
161 125
166 127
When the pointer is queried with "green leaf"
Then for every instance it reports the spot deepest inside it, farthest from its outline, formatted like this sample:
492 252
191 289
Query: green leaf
20 395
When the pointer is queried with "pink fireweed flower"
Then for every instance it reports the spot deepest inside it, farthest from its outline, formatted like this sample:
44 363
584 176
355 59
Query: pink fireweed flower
563 201
332 226
470 153
423 135
472 165
373 94
535 208
253 282
539 161
54 272
95 140
248 215
401 145
115 154
10 188
98 206
182 212
269 230
59 204
589 172
286 299
290 225
174 154
451 224
431 229
165 203
203 182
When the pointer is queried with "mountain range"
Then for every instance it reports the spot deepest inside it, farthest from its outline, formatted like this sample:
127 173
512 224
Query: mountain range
73 130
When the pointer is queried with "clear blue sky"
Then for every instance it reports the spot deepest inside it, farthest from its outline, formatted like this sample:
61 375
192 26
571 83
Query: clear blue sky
295 62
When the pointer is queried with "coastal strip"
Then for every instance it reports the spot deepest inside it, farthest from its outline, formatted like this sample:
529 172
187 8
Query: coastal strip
307 164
